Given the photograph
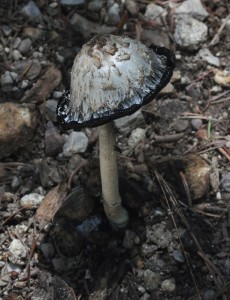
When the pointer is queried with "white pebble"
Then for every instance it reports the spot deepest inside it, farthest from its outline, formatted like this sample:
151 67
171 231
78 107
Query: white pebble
17 252
33 199
76 142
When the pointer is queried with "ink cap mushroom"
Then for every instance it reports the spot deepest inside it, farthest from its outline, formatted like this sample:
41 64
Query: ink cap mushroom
112 76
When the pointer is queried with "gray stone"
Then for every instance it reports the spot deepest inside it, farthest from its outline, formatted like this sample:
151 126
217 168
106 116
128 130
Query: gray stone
88 28
25 45
113 13
225 182
6 30
15 183
147 250
159 235
14 75
194 8
95 5
24 84
209 57
168 285
31 11
72 2
189 32
209 294
180 125
135 136
6 79
50 109
76 142
16 55
130 239
155 263
11 267
146 296
33 199
53 140
151 280
154 12
178 256
17 42
57 94
128 123
196 123
17 252
47 250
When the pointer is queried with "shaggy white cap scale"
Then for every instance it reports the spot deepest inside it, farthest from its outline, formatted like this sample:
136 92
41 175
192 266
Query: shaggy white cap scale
111 74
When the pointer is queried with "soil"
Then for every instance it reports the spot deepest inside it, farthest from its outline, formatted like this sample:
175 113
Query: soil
174 181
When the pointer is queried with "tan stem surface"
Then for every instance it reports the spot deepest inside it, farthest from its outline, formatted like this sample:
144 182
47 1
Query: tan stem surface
115 212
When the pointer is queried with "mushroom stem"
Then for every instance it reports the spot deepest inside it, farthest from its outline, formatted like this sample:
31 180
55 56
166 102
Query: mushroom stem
114 211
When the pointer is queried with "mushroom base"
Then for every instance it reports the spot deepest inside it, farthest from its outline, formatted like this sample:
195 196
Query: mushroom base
114 211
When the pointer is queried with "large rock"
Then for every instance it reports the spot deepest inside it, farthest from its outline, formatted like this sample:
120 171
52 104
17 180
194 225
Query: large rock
190 33
17 123
194 8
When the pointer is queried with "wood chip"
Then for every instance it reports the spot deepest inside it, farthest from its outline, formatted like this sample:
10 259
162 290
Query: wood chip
44 86
50 205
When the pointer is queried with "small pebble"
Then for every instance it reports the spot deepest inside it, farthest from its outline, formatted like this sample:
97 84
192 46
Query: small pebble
113 13
24 84
72 2
196 123
180 125
6 79
57 94
15 183
208 295
20 284
130 239
168 285
37 54
218 196
136 134
53 140
50 110
33 199
16 55
60 58
6 30
178 256
17 252
31 11
25 45
146 296
47 250
14 75
77 142
17 42
151 280
225 182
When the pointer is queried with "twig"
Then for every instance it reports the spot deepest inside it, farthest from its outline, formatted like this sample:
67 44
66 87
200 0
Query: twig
167 138
169 197
223 151
202 76
216 37
185 183
131 149
82 164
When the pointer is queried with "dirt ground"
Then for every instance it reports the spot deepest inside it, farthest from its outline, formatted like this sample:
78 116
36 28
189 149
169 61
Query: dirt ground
173 160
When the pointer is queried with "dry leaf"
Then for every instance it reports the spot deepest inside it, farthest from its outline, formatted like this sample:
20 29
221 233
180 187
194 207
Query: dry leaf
50 205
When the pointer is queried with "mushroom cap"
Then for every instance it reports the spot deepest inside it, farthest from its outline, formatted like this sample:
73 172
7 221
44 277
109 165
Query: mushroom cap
113 76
